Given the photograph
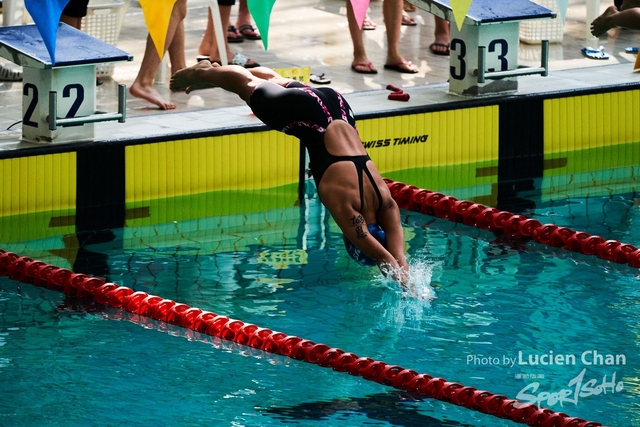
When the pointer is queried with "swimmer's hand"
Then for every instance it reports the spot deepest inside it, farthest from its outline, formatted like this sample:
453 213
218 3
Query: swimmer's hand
399 274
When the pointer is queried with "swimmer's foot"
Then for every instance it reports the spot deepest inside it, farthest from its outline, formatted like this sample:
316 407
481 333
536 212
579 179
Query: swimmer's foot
149 93
188 79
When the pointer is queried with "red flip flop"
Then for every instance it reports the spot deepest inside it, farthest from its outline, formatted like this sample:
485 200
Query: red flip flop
368 65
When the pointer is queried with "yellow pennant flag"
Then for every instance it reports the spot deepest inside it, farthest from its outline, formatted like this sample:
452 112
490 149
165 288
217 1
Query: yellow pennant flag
157 14
460 9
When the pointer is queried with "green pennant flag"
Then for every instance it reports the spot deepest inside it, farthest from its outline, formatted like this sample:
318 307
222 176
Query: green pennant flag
261 13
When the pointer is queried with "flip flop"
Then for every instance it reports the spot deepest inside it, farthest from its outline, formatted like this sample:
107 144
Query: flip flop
368 24
369 70
592 53
401 67
319 79
243 61
236 36
445 52
407 20
249 32
9 73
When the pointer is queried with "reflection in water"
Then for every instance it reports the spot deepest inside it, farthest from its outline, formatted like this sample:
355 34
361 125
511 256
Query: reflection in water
89 261
395 408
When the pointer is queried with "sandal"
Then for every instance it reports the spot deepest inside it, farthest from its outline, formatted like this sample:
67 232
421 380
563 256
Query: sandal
592 53
233 35
363 68
407 20
9 74
402 67
438 48
249 32
368 24
319 79
243 61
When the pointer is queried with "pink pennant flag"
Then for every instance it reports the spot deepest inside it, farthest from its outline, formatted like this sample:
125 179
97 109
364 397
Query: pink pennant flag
360 10
46 16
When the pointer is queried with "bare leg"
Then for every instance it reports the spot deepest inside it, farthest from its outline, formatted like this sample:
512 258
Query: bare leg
360 60
176 50
442 36
70 20
143 87
204 75
244 16
207 38
209 45
392 11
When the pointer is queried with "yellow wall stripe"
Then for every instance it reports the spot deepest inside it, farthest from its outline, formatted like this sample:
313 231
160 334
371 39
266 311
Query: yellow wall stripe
227 162
455 137
38 184
590 121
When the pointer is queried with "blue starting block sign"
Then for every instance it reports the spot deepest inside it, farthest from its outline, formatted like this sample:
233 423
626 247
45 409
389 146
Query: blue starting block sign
484 53
59 100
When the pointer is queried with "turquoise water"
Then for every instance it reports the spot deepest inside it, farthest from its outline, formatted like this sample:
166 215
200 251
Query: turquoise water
483 312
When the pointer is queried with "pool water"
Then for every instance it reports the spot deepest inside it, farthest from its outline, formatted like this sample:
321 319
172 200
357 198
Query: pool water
511 317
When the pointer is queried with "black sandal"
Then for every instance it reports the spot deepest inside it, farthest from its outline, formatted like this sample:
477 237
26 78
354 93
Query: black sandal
236 38
249 32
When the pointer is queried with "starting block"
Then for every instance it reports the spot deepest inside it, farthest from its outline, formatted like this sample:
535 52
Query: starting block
59 100
484 53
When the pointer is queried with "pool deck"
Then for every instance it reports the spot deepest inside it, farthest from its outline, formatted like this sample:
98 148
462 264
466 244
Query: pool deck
297 24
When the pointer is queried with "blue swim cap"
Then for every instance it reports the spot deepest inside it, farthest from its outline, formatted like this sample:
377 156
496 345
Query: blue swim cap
360 257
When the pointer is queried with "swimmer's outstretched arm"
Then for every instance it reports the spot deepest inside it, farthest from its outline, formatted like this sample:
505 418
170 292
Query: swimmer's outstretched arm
266 73
390 261
389 220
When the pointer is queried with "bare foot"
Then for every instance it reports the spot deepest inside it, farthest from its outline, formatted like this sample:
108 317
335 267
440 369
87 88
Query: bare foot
188 79
602 23
149 93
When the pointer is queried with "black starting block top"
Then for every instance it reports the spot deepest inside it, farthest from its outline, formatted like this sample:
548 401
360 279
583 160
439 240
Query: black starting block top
24 46
482 12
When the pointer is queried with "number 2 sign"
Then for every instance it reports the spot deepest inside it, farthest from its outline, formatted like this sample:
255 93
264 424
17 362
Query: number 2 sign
75 89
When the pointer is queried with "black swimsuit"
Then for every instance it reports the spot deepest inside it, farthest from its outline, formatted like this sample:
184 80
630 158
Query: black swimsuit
305 112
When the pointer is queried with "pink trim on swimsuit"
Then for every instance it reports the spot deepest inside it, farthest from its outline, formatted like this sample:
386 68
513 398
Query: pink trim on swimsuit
330 118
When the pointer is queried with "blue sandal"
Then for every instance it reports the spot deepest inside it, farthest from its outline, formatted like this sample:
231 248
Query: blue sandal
592 53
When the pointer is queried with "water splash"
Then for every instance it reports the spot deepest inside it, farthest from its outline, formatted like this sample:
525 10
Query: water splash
419 284
406 307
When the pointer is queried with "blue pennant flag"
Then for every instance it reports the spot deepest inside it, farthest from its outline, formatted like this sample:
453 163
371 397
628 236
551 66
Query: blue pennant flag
46 16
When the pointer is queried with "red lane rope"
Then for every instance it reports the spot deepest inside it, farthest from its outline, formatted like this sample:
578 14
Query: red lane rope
428 202
38 273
